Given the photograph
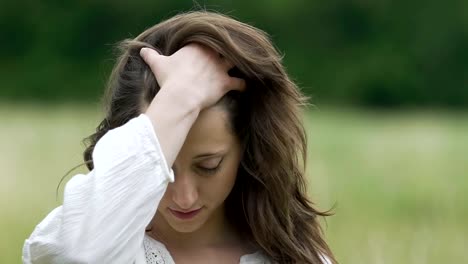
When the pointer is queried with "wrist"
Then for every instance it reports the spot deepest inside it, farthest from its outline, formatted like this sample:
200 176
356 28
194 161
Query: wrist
175 96
170 104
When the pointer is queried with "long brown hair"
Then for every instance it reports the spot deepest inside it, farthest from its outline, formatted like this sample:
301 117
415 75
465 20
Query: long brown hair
268 203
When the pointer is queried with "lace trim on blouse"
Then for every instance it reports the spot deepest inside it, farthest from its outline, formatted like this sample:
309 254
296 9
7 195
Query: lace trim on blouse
155 252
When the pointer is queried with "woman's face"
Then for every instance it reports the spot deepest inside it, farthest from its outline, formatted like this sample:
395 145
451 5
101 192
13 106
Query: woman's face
205 171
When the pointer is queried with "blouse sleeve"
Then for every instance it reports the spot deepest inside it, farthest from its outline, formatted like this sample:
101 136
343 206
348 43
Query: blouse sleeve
105 212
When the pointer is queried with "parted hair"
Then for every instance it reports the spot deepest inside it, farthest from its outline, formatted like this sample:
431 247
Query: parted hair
268 204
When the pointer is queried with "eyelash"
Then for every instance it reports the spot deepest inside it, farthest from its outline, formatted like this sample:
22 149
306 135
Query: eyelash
209 170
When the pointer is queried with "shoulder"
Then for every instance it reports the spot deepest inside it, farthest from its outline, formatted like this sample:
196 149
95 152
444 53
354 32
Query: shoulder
255 258
325 259
260 258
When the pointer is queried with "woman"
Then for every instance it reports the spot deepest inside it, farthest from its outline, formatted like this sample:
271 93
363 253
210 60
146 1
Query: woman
199 159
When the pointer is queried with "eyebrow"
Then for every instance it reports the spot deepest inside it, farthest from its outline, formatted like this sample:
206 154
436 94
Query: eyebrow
209 154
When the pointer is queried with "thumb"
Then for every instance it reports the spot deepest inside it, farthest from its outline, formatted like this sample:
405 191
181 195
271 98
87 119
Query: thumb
152 58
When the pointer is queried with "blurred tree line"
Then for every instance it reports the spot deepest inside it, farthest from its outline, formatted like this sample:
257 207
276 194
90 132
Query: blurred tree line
382 53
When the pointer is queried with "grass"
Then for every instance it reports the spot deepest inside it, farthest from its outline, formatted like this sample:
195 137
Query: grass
398 180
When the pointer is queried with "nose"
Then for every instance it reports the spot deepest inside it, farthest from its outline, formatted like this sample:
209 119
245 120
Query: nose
184 192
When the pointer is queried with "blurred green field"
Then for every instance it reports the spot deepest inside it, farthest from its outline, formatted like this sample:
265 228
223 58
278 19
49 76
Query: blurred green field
398 180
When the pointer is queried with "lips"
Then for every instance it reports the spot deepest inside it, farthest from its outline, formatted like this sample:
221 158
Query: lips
185 215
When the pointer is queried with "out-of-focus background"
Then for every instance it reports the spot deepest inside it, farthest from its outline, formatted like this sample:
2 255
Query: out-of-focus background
388 133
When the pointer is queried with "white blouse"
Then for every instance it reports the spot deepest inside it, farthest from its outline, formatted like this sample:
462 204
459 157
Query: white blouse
105 212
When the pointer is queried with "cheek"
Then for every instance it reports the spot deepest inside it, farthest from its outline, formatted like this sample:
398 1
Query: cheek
218 187
165 200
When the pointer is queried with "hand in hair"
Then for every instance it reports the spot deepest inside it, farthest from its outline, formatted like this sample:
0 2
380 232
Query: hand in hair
195 74
193 78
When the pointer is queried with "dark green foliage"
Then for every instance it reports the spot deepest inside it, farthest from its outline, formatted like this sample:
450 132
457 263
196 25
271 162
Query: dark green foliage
372 53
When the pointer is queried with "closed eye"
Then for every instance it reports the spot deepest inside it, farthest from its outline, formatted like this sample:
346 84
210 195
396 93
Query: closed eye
209 170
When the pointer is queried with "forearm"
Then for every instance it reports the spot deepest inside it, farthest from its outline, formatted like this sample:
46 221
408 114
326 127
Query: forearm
172 116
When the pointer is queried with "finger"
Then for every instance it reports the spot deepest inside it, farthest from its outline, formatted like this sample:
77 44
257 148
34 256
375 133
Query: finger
227 64
152 58
237 84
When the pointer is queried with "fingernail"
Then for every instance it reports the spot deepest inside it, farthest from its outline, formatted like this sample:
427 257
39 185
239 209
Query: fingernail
143 51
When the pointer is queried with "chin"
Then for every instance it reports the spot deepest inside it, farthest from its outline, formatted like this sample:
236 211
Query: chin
185 228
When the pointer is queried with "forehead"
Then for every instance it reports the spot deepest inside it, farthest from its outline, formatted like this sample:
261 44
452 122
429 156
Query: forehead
210 131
